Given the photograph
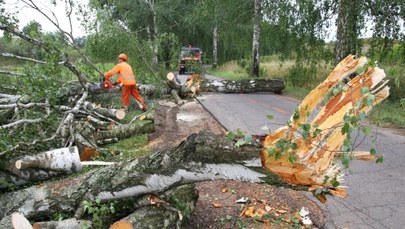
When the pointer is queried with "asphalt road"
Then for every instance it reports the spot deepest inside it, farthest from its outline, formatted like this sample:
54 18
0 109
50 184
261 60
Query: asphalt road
376 192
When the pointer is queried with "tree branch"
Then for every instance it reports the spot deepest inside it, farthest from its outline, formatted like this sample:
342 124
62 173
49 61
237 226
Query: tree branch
49 49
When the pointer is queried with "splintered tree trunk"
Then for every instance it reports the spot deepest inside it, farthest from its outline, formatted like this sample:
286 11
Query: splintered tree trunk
311 160
243 86
200 157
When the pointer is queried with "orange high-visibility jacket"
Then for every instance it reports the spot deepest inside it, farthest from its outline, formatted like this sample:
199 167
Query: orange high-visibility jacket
125 74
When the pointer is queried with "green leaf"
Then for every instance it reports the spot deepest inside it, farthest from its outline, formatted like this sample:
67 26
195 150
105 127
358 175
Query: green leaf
277 155
296 115
334 182
292 158
326 179
271 151
270 117
373 151
230 135
365 90
316 132
366 130
248 138
380 159
239 132
369 100
345 159
346 128
240 142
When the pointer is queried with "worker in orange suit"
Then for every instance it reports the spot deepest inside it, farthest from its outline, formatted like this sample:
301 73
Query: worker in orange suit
126 78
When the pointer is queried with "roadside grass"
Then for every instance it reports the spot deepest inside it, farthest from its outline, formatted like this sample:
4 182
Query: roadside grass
389 113
229 71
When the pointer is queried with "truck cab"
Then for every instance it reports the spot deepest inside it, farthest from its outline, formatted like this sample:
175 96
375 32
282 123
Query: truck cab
190 60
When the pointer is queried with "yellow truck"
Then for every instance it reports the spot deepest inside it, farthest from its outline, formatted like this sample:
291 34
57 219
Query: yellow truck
190 60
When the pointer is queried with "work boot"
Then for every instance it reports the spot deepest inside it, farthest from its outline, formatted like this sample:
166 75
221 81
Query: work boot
144 107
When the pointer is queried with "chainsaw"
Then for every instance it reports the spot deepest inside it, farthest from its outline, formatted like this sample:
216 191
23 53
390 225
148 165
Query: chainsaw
106 84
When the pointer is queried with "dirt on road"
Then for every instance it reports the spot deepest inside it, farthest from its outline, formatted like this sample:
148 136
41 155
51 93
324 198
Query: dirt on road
259 205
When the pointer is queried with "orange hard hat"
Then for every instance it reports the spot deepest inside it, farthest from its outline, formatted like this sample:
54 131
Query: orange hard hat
123 56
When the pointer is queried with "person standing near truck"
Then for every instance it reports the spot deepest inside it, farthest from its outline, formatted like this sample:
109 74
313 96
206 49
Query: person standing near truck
126 78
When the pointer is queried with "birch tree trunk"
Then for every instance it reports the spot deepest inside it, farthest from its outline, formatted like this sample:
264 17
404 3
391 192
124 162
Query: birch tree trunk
347 29
215 47
243 86
256 38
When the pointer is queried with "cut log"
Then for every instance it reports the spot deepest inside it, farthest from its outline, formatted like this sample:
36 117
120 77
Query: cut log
64 160
117 114
196 83
42 166
243 86
172 81
310 159
174 84
15 221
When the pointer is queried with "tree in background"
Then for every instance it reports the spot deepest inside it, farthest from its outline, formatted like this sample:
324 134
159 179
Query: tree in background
257 18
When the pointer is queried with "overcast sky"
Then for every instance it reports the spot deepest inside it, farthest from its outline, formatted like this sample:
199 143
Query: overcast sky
26 14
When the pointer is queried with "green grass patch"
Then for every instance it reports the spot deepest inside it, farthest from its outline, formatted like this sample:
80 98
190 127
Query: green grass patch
389 114
128 148
229 71
296 92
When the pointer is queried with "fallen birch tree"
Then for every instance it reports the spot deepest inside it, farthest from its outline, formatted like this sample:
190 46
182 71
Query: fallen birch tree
197 83
202 156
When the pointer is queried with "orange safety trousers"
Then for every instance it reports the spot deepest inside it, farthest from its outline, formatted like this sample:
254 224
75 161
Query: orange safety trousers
127 91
